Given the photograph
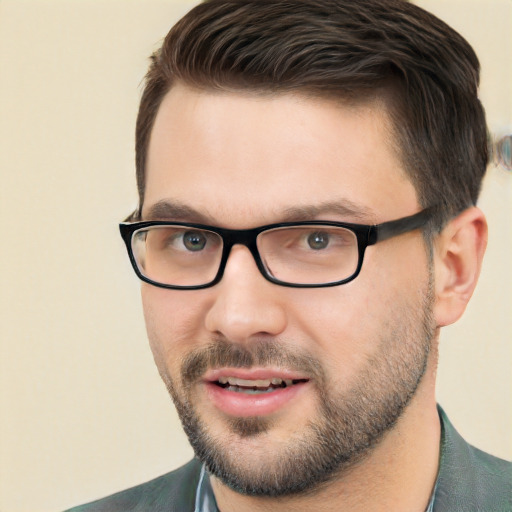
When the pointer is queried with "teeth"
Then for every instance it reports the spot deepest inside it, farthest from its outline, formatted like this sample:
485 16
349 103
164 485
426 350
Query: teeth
260 383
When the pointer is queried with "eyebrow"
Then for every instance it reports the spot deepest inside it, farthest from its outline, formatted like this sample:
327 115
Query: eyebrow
175 211
344 208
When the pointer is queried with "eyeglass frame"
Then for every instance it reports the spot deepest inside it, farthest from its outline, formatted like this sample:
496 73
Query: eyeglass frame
366 235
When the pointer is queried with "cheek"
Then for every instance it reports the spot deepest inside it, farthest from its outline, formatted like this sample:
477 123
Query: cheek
349 323
337 324
173 321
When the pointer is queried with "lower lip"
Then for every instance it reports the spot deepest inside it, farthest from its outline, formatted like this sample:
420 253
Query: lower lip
244 405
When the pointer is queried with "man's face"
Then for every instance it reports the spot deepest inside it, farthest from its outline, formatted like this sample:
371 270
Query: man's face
355 354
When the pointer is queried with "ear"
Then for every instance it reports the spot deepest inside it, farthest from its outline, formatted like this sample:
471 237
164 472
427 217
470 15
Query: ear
458 254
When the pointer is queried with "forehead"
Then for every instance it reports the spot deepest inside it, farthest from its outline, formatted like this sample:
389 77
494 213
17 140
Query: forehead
244 159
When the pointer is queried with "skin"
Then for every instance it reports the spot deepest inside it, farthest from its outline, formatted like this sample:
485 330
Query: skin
242 161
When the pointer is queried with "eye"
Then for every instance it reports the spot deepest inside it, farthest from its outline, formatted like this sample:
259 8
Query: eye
194 240
318 240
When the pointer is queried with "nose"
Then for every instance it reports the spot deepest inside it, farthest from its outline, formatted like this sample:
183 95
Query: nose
245 304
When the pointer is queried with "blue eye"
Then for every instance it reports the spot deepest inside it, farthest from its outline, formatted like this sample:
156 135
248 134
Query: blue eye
194 240
318 240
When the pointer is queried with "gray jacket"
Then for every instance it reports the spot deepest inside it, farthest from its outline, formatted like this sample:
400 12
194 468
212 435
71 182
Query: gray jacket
469 480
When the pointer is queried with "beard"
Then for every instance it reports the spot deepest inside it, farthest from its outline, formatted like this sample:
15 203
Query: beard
348 423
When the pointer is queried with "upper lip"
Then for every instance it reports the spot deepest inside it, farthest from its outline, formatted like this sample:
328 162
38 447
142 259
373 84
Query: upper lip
253 374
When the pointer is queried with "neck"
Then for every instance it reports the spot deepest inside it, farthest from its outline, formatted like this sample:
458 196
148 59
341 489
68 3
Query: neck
399 474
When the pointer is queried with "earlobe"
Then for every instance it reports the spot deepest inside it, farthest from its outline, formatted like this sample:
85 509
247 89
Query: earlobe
458 255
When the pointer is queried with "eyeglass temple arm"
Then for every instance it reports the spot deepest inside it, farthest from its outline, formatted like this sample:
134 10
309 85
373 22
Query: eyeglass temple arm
397 227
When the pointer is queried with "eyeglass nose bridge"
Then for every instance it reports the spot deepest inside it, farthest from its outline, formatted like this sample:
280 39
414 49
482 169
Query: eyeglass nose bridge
246 238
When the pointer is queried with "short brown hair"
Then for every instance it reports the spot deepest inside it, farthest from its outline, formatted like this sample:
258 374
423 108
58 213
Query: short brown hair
340 49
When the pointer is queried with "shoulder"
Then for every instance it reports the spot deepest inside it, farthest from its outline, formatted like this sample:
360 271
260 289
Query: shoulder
470 479
174 491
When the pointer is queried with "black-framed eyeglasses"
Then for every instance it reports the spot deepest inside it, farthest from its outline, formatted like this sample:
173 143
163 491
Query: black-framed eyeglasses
311 254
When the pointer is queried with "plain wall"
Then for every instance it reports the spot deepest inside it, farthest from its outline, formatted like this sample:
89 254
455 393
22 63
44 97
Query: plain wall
82 410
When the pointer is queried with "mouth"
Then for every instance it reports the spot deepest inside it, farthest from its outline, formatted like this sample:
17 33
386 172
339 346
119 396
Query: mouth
256 386
249 392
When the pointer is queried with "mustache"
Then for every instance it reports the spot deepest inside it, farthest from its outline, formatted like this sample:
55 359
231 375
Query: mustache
223 353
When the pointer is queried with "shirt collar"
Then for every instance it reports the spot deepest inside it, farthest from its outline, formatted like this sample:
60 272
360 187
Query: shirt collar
205 499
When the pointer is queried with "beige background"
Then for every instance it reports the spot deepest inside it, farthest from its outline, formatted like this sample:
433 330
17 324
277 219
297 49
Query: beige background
82 410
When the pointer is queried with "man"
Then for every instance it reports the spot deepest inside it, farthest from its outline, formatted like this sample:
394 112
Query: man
308 172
